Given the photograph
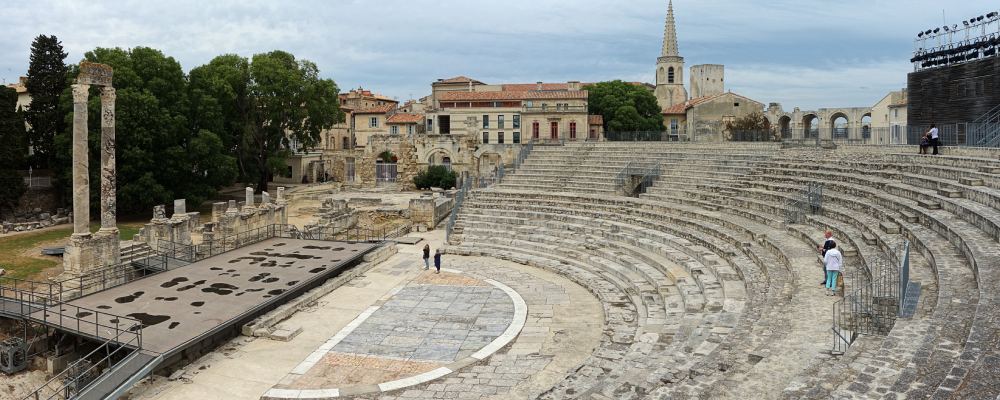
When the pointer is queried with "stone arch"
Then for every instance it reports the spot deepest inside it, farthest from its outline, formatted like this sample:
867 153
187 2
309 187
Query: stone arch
785 126
866 126
810 126
839 125
439 156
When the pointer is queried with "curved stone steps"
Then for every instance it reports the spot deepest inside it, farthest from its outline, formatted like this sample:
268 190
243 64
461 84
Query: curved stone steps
956 302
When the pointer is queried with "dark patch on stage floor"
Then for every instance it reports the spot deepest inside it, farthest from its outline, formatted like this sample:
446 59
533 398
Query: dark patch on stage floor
187 302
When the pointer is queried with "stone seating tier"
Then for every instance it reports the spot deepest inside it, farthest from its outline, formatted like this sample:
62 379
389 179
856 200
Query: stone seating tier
743 355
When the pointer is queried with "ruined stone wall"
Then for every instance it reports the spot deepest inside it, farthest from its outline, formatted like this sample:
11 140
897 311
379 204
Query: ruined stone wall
430 210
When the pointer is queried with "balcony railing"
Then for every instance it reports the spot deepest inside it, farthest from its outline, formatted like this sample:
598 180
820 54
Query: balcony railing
551 108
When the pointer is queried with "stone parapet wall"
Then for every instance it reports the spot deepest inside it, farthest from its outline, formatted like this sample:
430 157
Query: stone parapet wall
430 210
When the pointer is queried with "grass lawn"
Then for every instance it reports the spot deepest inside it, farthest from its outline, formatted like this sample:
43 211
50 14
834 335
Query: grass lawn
19 265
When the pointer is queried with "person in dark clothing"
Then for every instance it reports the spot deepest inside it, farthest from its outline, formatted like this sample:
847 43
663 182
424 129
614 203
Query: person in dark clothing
437 261
827 245
427 256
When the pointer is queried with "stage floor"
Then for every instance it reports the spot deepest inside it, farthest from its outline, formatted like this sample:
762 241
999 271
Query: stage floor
179 306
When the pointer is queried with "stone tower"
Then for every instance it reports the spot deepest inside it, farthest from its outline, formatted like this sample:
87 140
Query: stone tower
670 67
707 80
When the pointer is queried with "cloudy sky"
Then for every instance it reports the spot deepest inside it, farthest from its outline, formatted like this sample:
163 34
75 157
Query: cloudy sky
801 53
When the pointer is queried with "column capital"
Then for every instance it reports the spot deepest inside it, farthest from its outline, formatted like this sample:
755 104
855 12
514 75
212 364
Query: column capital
80 92
108 93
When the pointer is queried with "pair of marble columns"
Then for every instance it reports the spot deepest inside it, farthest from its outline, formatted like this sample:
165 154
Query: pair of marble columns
81 166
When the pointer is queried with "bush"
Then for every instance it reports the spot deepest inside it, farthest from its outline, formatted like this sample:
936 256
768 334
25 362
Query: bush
435 176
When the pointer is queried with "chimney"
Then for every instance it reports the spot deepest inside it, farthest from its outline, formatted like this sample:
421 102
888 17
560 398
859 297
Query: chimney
538 85
573 85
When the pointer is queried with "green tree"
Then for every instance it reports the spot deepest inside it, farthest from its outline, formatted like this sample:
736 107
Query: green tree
265 104
435 176
625 107
13 148
161 154
46 83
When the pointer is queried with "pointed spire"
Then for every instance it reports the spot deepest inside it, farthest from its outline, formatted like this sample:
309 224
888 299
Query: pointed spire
670 34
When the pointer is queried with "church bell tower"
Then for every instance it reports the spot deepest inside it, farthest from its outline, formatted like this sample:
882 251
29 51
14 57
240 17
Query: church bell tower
670 67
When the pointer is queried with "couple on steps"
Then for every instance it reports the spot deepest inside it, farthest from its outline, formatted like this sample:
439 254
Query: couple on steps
833 262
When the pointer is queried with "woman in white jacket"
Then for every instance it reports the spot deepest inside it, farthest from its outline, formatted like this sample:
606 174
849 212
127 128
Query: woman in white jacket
833 261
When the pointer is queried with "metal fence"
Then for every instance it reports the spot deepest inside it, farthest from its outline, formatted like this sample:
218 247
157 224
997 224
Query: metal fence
459 199
637 177
645 136
77 376
385 173
875 302
808 201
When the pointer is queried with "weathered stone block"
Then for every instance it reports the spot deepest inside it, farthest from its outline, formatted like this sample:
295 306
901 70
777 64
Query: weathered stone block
929 204
971 181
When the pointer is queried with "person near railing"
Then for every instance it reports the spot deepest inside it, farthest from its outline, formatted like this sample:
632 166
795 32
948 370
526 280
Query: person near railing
834 261
935 140
925 141
828 243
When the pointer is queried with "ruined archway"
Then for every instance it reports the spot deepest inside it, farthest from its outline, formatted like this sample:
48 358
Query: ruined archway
839 126
785 126
810 126
866 126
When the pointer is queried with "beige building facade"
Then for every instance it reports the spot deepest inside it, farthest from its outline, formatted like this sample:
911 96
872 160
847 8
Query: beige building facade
888 118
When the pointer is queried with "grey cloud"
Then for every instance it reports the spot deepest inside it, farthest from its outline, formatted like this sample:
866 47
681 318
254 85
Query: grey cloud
831 49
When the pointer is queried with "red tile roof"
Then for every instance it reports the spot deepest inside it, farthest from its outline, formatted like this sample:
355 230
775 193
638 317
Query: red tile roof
459 79
377 109
523 87
595 119
683 107
512 95
404 118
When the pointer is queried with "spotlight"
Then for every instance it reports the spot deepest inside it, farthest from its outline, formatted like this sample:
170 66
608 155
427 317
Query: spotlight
920 35
946 29
928 32
972 21
966 23
980 18
992 14
936 30
954 27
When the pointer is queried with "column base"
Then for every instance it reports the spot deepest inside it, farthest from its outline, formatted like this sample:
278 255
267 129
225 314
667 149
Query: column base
86 253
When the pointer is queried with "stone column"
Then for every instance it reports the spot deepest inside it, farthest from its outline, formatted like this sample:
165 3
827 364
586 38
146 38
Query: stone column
108 169
249 197
81 180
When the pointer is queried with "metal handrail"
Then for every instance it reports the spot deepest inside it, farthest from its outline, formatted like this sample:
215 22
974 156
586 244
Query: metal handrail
67 384
459 199
873 306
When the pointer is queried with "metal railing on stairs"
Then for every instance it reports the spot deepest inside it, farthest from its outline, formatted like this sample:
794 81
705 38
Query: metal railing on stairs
875 302
522 155
72 381
637 176
459 199
986 129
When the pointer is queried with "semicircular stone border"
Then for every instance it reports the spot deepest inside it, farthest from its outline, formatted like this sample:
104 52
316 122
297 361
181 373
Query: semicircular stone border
517 323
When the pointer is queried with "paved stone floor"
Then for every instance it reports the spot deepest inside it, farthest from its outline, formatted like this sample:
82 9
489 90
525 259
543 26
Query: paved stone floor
431 322
563 327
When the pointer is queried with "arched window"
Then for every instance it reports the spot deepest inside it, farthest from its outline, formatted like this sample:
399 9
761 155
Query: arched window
670 75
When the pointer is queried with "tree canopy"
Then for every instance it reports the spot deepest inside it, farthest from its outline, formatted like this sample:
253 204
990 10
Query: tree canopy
262 105
625 107
161 153
13 148
46 83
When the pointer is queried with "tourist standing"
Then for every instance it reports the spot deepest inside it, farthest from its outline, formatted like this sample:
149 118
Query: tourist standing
427 256
437 261
935 141
834 261
828 243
